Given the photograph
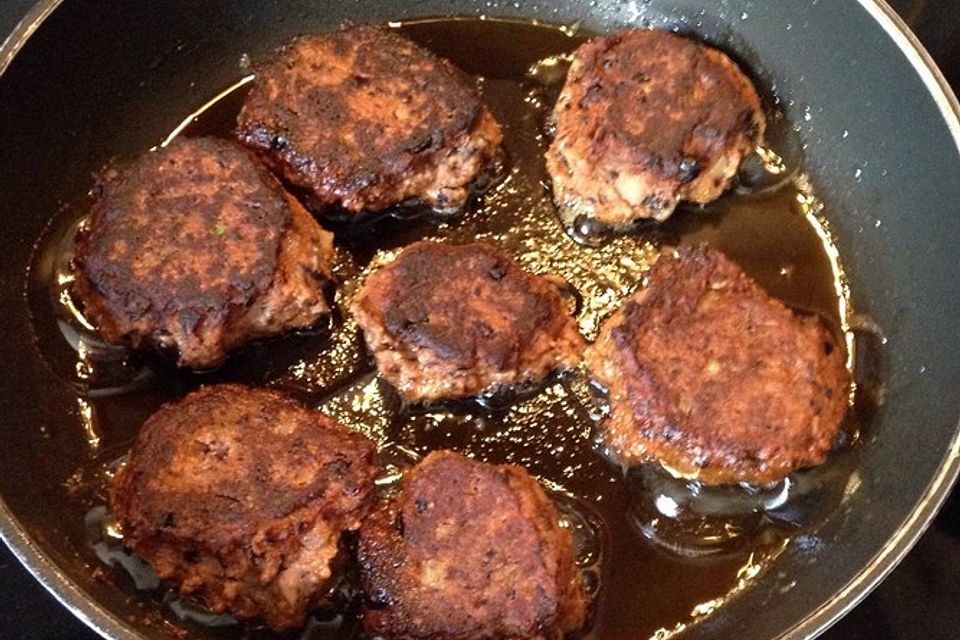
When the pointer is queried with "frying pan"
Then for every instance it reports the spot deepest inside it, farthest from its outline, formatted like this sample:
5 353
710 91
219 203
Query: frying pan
83 80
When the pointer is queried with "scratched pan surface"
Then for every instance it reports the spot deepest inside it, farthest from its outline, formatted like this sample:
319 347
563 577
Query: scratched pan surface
878 133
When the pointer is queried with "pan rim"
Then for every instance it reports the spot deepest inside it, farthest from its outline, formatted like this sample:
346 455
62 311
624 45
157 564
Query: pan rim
940 486
111 627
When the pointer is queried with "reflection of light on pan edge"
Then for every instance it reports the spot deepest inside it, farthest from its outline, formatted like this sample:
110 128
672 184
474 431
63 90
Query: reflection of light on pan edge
812 208
199 112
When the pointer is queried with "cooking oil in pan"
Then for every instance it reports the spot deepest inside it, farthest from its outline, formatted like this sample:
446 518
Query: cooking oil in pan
658 553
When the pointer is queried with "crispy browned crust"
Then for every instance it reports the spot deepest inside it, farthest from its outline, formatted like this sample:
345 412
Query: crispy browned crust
647 118
715 379
195 248
238 497
456 320
365 119
469 551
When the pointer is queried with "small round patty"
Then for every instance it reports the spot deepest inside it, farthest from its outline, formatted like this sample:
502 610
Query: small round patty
195 248
469 551
713 378
238 497
446 321
645 119
365 119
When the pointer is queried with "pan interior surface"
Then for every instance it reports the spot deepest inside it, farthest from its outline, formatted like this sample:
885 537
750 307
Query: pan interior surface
142 70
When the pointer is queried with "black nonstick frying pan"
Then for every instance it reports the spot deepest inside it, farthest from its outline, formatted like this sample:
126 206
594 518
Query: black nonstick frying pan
84 81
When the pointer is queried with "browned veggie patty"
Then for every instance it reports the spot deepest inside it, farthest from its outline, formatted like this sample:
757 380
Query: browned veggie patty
713 378
469 551
457 320
238 497
365 119
648 118
194 248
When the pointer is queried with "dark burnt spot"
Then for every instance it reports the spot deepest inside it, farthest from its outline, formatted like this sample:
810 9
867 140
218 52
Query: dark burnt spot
709 132
405 318
654 203
379 598
421 145
591 95
398 524
688 169
338 468
190 318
